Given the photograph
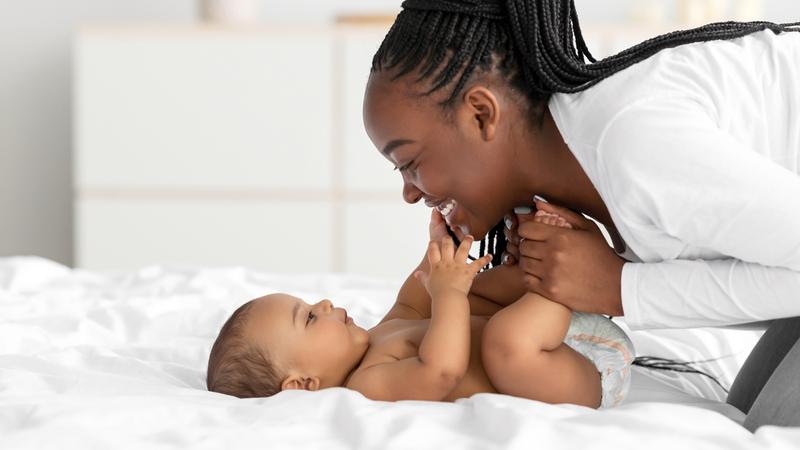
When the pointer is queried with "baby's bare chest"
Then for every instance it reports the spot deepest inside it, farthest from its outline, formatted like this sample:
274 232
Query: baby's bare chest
400 339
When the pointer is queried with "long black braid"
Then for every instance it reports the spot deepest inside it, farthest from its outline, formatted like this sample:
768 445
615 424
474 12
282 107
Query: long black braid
538 47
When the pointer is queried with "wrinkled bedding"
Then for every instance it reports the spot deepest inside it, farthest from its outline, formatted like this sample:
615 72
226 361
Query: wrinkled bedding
117 360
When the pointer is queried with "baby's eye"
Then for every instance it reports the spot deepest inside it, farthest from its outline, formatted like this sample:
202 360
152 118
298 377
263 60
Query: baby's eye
310 314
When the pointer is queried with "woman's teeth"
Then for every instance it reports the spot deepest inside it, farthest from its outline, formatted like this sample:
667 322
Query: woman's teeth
446 208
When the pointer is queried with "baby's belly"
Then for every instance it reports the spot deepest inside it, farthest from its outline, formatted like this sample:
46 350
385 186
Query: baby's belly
475 381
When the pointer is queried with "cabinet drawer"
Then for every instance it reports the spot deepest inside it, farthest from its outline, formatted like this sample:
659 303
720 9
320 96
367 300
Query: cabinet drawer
214 108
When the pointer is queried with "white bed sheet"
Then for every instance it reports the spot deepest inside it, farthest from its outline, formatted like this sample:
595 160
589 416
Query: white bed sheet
117 360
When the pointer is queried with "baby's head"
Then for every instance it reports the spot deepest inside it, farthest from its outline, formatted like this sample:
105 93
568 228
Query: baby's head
279 342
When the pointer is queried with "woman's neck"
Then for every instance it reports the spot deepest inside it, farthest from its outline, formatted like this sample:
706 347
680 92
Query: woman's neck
555 174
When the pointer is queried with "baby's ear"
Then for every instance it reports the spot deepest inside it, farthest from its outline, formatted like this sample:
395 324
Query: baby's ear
298 382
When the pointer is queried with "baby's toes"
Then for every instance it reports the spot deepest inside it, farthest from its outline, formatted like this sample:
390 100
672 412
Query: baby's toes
551 219
563 223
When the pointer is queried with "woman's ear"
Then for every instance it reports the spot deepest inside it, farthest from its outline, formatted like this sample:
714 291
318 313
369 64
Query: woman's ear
299 382
484 110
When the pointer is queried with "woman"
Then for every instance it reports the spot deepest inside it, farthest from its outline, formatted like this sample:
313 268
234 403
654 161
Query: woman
685 147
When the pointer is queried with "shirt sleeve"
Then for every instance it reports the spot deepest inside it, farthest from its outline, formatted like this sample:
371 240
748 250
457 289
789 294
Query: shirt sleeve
668 167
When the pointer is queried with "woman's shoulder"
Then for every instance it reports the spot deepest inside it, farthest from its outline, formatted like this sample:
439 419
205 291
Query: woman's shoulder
691 73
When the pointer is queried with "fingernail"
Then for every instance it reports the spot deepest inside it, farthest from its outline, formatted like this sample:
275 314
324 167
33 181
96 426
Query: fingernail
509 223
505 258
523 210
536 198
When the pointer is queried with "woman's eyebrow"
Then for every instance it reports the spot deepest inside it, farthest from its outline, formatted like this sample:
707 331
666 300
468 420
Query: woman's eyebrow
392 145
294 314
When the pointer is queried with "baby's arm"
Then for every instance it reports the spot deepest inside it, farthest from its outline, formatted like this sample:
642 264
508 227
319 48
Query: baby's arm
444 351
414 302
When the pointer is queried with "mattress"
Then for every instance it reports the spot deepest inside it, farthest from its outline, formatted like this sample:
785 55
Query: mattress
117 359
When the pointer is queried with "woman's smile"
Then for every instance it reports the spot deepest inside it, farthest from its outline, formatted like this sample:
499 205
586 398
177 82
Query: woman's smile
452 212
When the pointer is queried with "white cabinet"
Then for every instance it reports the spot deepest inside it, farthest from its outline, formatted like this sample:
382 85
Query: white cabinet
218 146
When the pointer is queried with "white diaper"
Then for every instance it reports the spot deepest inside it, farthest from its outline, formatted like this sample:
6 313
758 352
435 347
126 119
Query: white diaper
605 344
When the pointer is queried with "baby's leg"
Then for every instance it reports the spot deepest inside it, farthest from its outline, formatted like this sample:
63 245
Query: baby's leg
524 355
523 351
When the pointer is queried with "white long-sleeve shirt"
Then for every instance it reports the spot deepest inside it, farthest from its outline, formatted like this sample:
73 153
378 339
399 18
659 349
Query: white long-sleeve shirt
696 154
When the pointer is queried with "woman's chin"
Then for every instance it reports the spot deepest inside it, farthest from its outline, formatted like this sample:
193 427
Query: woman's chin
460 226
461 231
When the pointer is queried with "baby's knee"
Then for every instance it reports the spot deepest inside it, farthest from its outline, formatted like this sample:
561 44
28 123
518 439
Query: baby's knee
500 345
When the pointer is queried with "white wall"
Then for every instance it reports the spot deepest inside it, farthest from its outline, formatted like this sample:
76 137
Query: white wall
35 114
35 98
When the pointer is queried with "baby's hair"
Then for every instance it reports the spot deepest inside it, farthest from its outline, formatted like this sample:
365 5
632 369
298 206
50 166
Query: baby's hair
536 45
236 366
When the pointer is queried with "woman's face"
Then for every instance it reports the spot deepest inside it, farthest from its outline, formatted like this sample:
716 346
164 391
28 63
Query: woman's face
446 158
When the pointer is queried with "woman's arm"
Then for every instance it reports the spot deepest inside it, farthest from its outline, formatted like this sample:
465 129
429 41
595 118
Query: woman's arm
680 182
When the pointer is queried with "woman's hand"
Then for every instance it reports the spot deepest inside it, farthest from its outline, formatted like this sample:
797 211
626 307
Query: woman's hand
574 267
512 220
449 270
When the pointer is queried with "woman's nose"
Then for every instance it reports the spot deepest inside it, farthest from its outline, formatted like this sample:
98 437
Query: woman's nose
410 193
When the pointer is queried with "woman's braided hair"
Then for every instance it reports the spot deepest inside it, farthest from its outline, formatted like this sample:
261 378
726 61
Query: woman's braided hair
536 45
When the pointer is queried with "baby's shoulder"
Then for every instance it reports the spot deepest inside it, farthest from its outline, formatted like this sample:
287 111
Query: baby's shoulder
363 373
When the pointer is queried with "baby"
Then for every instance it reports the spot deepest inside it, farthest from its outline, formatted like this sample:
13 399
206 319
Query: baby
452 333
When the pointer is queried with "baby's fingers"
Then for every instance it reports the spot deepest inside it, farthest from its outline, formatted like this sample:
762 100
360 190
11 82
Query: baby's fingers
480 263
447 248
421 276
434 255
463 249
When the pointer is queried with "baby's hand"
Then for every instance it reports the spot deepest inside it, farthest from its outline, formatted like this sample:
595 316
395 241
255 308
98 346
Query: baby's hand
438 227
449 269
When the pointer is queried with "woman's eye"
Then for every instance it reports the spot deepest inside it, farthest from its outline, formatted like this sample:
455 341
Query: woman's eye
310 315
404 168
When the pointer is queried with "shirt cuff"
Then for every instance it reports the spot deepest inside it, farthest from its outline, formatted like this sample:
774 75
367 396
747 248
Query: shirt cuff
630 297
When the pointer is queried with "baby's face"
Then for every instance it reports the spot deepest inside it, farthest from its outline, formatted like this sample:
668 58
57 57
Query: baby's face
317 339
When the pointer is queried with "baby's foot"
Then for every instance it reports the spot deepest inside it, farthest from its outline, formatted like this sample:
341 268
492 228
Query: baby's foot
551 219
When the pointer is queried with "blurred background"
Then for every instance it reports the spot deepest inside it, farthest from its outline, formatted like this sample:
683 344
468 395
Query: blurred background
226 132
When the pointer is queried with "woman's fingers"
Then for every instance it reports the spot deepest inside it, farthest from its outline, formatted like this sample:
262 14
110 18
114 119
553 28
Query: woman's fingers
508 259
532 266
531 249
537 231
